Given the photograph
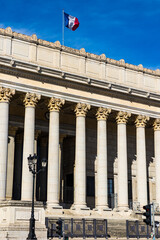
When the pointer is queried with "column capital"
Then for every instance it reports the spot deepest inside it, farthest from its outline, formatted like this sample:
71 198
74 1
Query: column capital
102 113
6 94
141 120
31 99
55 104
81 109
156 124
122 117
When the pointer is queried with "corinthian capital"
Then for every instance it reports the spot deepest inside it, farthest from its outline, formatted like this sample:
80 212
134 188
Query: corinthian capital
55 104
122 117
102 113
156 124
141 121
6 94
31 99
81 109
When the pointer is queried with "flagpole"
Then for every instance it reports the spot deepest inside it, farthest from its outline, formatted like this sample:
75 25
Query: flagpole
63 27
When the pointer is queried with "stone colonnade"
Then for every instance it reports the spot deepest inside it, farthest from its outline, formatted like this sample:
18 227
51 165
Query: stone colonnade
81 110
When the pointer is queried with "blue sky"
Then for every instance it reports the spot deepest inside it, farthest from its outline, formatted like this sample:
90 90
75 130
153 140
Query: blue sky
121 29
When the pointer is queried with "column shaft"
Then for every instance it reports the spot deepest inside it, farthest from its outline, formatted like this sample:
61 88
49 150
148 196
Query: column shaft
141 161
122 167
80 157
101 178
5 96
4 111
157 157
53 160
10 167
102 195
28 148
122 161
53 153
80 164
30 102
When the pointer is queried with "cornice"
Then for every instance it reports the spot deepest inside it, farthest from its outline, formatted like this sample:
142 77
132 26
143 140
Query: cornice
12 66
56 45
75 98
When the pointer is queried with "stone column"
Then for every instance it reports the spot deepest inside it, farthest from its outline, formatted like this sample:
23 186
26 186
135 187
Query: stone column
30 102
141 160
18 167
102 185
156 126
10 162
53 153
61 185
37 134
80 157
39 165
5 96
42 176
122 118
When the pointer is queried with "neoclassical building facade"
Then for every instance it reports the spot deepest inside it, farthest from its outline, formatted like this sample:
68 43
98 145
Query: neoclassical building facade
95 120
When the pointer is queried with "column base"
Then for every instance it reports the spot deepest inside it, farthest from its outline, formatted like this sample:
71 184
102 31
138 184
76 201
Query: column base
123 208
79 207
54 205
102 208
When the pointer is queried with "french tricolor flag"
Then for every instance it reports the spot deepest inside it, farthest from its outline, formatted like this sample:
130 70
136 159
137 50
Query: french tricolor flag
71 22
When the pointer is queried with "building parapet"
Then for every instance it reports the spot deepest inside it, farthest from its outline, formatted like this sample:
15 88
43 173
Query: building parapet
56 45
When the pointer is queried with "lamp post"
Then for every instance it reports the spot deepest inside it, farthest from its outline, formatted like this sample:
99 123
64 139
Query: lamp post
32 164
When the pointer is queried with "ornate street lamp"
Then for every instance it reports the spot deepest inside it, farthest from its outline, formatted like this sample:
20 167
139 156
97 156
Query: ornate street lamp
32 164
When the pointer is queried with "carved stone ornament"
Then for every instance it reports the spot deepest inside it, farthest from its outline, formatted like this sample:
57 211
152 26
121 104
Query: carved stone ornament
82 109
6 94
102 113
55 104
156 124
31 99
141 121
122 117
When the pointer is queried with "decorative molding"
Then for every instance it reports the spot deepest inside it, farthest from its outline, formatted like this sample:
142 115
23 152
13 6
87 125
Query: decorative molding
55 104
141 120
56 45
31 99
47 74
75 98
6 94
102 113
122 117
81 109
156 124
